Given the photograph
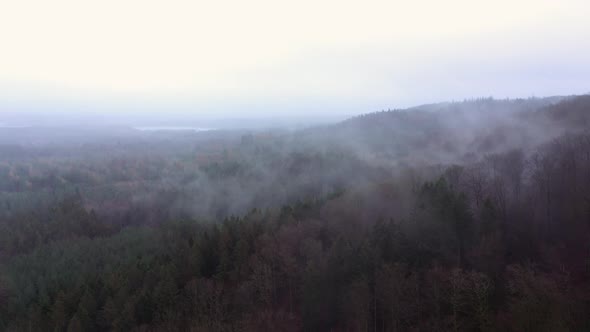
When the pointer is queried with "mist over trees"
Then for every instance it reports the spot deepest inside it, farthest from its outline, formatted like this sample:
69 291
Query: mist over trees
471 216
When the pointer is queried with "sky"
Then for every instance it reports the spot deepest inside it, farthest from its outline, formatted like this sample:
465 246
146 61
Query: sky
279 58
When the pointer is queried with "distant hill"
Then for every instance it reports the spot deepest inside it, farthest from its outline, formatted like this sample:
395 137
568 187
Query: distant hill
457 131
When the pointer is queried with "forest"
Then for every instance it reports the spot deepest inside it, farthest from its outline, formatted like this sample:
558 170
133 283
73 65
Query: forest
458 216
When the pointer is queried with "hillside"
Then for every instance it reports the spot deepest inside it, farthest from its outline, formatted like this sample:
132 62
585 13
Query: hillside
458 131
470 216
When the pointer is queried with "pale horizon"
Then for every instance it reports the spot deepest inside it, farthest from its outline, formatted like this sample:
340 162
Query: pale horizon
265 58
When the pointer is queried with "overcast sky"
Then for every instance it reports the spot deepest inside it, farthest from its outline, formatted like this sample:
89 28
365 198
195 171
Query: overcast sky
287 57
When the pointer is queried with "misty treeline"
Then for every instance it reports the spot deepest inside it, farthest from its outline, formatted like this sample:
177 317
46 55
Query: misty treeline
471 216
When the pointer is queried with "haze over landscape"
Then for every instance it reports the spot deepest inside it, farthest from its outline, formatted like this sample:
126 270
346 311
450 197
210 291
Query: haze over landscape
294 166
266 58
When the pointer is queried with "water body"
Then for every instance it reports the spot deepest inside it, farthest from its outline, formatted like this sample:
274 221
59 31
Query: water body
173 128
11 126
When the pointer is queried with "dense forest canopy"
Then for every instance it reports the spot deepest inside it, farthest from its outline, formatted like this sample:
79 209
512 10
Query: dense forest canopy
471 216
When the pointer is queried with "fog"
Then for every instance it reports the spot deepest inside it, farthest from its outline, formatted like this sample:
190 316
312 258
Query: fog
458 196
216 172
264 60
294 166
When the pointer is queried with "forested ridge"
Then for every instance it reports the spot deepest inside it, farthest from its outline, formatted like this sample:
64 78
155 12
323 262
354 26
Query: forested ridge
466 216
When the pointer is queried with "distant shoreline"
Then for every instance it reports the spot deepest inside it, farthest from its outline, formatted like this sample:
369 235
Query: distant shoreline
172 128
